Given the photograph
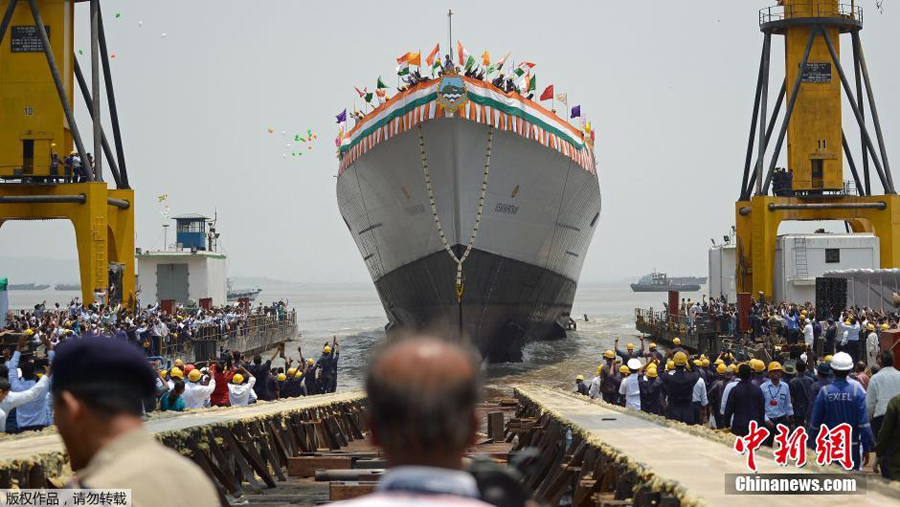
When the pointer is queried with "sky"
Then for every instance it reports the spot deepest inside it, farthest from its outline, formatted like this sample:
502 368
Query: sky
667 85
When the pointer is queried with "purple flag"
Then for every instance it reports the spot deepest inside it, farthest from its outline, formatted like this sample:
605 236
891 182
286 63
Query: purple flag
576 112
341 118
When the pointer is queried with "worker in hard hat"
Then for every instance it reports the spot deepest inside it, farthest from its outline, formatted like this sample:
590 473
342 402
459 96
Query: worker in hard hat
310 382
873 347
652 391
802 394
629 389
777 395
240 388
699 397
759 371
629 352
654 355
745 403
723 378
196 394
843 402
609 377
175 374
328 363
266 384
848 330
293 387
679 389
580 386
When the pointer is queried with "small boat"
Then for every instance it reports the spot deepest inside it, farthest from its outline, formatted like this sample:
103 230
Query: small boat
27 286
659 282
238 294
68 286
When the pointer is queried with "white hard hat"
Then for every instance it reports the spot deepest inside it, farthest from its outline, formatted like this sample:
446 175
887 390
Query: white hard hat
842 362
634 364
803 357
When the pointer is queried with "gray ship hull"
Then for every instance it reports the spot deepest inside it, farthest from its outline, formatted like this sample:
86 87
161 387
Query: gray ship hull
540 212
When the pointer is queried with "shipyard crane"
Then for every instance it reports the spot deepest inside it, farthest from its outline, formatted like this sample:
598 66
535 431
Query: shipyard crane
38 74
811 93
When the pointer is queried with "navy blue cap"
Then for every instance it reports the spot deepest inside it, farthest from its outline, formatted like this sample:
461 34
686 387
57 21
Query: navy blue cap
823 368
101 361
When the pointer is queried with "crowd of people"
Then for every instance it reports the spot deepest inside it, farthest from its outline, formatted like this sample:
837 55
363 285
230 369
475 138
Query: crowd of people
731 390
853 330
152 328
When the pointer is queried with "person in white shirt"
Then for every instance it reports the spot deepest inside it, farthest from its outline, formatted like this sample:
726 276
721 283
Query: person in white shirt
872 347
883 386
10 400
239 392
808 333
630 388
594 391
699 397
195 394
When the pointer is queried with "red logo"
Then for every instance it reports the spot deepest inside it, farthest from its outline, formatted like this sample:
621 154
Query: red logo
750 443
790 446
834 446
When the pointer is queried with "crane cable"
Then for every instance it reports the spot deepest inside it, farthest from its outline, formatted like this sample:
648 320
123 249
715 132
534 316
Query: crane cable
437 221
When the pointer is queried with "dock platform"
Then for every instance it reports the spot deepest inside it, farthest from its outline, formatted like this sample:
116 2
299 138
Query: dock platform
627 456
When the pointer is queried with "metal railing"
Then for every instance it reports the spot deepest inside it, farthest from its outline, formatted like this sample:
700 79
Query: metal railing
682 324
254 325
810 10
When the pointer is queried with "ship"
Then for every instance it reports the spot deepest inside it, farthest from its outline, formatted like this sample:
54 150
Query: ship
239 294
659 282
28 286
473 210
68 286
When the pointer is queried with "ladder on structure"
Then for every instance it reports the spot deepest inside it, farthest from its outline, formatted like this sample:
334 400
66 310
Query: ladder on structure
801 264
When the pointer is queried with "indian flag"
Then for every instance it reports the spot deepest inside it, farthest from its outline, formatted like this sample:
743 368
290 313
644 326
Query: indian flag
431 56
523 68
464 57
403 61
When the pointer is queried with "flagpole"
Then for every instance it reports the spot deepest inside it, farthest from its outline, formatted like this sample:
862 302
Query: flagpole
449 29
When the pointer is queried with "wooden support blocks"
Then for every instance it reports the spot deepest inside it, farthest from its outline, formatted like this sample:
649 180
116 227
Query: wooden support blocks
306 466
495 426
339 490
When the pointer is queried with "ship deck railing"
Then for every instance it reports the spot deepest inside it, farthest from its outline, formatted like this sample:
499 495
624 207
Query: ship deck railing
704 323
254 326
810 10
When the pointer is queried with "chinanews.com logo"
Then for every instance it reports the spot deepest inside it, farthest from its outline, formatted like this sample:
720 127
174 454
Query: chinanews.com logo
832 446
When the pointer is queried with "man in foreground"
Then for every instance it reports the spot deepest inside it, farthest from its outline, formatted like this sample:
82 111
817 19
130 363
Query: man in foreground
422 394
98 387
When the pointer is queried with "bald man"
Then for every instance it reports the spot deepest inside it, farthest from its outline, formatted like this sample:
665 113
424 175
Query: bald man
422 394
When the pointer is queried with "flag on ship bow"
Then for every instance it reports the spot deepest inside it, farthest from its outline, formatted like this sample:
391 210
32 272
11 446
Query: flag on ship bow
548 93
430 61
342 117
576 112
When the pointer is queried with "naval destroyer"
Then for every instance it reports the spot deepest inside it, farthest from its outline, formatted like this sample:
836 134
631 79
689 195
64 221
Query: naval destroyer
473 210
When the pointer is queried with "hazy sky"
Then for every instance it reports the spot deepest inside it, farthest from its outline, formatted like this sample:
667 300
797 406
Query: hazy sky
667 85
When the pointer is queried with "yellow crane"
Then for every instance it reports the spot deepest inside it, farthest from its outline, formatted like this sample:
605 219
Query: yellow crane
812 186
42 176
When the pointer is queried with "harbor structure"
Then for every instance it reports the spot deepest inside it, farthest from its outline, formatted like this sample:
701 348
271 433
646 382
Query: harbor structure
41 176
812 186
193 270
473 209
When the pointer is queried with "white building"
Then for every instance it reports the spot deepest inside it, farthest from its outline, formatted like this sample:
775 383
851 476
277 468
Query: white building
722 281
800 258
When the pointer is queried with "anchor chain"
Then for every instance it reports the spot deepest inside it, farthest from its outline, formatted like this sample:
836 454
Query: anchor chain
437 221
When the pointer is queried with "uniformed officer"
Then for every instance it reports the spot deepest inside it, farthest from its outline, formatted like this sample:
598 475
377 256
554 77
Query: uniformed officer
679 389
98 387
842 402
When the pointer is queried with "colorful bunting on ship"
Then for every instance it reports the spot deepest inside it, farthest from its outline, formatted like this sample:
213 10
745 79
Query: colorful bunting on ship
548 93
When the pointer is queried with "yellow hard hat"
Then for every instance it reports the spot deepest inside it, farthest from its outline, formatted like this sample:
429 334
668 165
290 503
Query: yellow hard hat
162 372
630 346
608 354
774 366
721 369
677 341
698 362
29 332
885 327
176 372
291 372
579 377
651 372
846 322
719 361
282 377
670 364
179 363
827 358
704 361
310 361
680 359
327 349
624 369
757 365
730 368
298 374
194 375
803 312
652 345
237 378
871 327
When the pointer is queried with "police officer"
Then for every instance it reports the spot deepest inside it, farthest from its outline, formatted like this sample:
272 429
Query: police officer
842 402
679 390
98 387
